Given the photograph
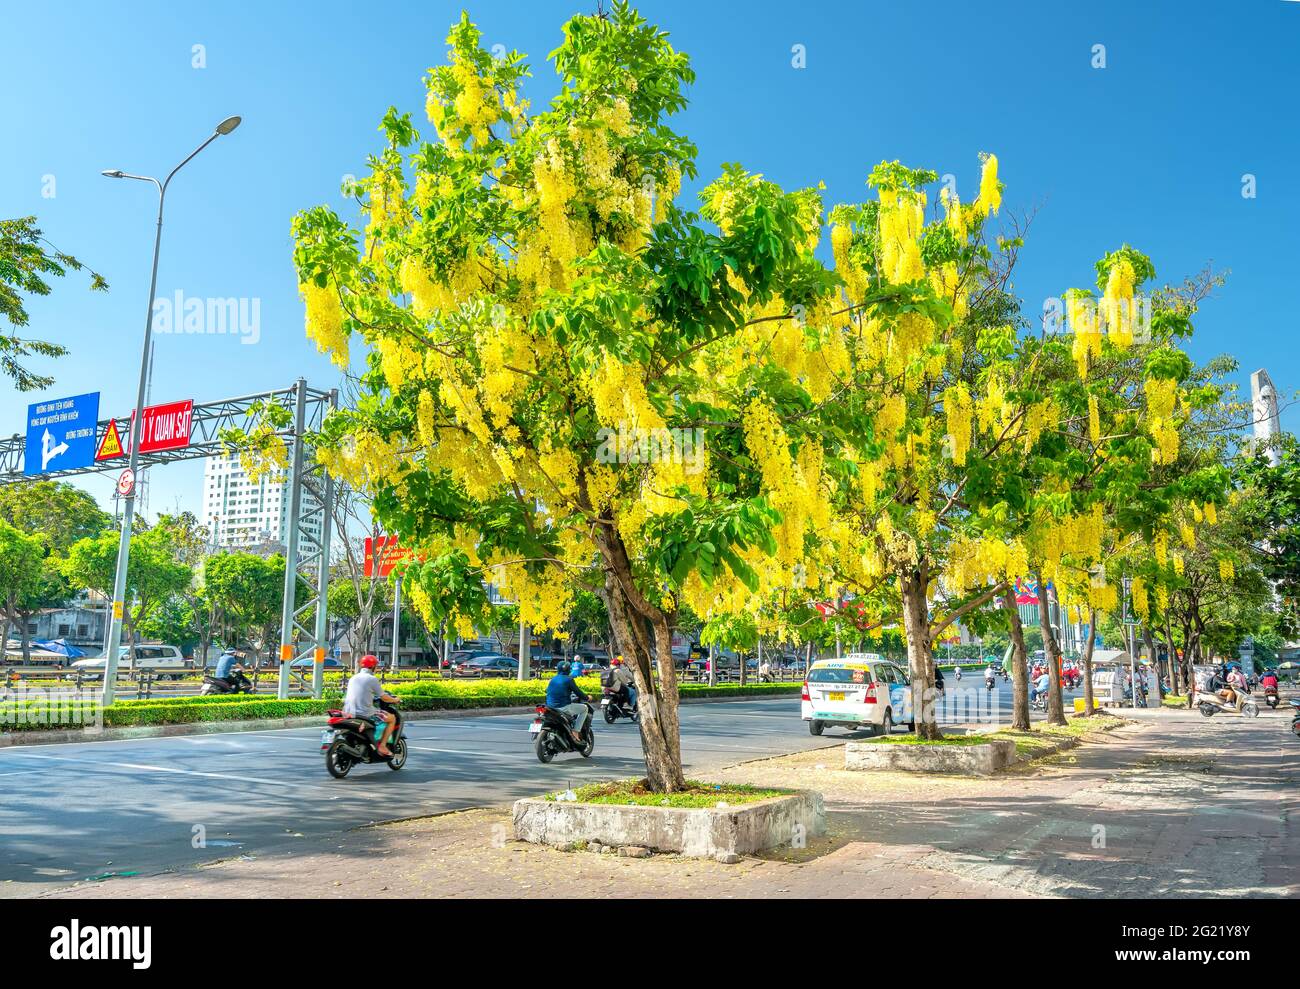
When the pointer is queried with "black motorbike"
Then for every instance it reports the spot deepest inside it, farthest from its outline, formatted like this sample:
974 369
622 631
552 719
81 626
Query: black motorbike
553 734
1295 721
615 704
236 683
348 741
990 683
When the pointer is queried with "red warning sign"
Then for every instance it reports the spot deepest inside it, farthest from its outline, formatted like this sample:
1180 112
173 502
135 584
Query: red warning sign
111 445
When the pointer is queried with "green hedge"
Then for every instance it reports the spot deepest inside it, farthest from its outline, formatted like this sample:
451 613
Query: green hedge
427 696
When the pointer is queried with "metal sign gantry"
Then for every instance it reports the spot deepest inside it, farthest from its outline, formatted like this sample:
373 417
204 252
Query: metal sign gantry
308 550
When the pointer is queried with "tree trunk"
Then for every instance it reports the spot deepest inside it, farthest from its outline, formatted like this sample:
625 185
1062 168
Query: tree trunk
1019 664
658 721
1088 706
1052 650
1149 641
916 622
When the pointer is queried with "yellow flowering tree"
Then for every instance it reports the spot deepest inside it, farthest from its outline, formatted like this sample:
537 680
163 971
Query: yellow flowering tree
572 383
1104 482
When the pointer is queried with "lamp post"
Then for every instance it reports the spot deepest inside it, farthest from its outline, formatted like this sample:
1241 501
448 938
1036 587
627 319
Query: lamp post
137 423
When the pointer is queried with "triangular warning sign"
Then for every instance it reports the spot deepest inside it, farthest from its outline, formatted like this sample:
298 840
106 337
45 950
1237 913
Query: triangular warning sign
111 445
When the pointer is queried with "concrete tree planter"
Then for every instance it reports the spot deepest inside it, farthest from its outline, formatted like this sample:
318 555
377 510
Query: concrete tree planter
979 759
725 832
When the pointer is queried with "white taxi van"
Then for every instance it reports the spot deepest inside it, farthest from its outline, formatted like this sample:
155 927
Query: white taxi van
862 690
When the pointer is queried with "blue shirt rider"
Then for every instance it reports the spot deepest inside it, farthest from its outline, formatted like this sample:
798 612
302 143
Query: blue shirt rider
563 694
227 663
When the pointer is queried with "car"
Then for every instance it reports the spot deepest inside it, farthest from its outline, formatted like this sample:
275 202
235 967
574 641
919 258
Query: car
164 660
458 656
487 666
862 690
330 663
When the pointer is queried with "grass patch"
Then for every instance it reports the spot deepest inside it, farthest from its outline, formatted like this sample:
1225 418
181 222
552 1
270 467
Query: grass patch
1043 736
696 795
1174 700
946 740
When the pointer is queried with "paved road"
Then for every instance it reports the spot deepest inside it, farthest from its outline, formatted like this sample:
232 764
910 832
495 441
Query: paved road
78 810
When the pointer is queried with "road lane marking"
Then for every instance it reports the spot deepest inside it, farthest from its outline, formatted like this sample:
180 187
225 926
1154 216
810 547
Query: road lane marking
92 765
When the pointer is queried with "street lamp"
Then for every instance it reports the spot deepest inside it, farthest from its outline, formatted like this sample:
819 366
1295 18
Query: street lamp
114 642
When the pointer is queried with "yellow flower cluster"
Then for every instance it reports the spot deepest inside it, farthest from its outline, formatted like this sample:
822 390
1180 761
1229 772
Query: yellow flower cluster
1141 601
1079 536
1227 570
544 599
1162 396
324 320
901 219
363 459
975 562
960 411
1094 420
990 197
1118 305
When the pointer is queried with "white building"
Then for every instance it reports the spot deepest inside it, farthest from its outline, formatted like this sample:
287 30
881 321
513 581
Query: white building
251 516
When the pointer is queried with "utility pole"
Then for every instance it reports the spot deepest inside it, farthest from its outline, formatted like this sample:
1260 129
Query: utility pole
397 620
137 421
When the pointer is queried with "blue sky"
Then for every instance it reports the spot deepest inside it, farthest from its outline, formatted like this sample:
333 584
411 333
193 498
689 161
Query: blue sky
1151 150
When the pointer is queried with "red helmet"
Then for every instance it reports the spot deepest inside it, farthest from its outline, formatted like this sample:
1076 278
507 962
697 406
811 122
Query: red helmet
369 662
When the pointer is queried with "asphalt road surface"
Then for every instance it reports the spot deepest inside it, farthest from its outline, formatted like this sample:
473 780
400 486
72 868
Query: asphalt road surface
75 811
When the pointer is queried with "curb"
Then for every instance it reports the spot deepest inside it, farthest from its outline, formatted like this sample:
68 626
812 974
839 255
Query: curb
70 736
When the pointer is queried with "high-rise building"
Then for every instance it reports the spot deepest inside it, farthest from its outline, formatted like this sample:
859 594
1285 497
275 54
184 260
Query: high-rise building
1264 400
247 515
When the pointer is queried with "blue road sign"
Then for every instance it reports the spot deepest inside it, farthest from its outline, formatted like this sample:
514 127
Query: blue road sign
61 434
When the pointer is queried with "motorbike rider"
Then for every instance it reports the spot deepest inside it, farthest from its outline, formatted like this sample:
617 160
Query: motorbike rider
623 682
989 674
1040 687
363 690
564 695
957 672
938 679
1268 681
230 668
1237 684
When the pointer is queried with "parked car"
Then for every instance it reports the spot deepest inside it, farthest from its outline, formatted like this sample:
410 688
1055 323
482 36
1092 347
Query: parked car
164 660
487 666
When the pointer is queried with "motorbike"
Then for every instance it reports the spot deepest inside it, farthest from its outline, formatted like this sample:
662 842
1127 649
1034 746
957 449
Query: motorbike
957 675
1210 704
614 705
553 734
1039 703
236 684
1295 721
349 741
1270 696
990 683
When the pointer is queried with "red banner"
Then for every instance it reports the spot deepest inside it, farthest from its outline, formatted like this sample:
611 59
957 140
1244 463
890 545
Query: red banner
167 427
383 554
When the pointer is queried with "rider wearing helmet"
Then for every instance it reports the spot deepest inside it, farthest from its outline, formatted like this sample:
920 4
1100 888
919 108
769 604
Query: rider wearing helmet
622 680
564 695
363 690
230 667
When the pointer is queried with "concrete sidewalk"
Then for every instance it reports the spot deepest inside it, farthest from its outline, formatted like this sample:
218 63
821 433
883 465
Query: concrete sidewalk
1170 805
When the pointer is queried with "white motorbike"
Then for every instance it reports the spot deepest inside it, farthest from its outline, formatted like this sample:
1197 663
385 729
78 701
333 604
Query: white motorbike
1210 704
